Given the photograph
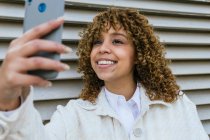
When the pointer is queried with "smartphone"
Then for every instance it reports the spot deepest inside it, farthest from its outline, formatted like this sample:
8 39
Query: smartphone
38 12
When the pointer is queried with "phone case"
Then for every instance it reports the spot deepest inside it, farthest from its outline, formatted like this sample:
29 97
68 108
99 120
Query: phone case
40 11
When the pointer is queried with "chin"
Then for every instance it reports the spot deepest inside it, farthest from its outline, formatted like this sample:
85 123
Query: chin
104 78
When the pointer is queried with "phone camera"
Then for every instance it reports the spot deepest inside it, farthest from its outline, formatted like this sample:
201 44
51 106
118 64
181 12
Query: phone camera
29 2
42 7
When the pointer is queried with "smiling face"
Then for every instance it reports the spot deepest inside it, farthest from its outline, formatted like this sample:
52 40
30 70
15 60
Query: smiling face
112 56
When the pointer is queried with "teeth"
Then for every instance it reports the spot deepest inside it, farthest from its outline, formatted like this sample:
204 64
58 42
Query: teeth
105 62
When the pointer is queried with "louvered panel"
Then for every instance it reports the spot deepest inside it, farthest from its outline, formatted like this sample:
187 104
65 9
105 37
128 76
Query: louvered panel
174 53
61 89
70 56
199 97
72 33
194 82
187 8
188 52
156 6
171 37
10 30
11 10
85 16
204 112
206 125
3 50
46 108
190 67
178 22
70 74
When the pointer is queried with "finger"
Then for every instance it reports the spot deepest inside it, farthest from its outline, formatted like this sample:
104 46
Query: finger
27 80
38 45
37 63
40 30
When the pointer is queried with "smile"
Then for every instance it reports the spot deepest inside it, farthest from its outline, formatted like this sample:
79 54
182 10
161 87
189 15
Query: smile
106 62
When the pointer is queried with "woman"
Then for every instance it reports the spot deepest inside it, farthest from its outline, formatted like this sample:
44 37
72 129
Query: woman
129 91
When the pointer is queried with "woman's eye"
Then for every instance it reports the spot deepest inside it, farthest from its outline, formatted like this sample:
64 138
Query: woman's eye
116 42
97 42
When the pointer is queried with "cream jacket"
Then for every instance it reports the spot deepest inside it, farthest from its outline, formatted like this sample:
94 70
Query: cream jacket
82 120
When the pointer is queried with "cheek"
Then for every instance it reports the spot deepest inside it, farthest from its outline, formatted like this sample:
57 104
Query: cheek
131 58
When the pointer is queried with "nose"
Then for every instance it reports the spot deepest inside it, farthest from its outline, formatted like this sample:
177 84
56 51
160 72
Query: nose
104 48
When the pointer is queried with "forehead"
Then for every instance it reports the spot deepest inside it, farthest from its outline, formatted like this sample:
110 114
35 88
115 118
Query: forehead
114 32
111 30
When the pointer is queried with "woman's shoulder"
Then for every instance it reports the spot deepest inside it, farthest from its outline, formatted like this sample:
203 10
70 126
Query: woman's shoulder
183 103
80 104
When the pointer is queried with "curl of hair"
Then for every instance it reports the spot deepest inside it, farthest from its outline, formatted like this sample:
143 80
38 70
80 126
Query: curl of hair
151 67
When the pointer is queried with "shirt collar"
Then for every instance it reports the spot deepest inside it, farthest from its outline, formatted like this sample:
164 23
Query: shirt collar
102 106
113 99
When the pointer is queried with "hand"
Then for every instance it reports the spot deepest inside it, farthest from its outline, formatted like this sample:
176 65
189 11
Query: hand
18 61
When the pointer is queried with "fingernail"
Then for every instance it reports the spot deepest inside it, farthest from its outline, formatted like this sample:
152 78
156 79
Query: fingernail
68 50
60 18
66 67
48 84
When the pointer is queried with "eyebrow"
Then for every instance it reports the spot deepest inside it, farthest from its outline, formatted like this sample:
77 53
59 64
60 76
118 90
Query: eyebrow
116 33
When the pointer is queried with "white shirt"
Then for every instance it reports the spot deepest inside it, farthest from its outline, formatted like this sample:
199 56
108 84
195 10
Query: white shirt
127 111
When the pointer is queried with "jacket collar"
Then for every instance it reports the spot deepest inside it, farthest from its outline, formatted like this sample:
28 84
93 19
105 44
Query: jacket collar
146 103
102 107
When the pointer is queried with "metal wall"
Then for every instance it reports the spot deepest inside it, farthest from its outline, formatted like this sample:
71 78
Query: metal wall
183 26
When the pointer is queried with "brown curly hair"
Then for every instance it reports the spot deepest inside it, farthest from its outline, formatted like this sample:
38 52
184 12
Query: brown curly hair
151 68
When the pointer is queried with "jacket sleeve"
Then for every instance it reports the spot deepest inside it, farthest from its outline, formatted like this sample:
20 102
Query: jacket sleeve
25 123
196 129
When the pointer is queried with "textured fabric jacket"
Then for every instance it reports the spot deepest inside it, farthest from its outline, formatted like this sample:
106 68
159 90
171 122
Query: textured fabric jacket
82 120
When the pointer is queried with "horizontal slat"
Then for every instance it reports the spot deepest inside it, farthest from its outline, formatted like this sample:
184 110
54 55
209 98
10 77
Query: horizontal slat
72 33
83 16
183 23
173 37
188 52
158 21
3 50
11 10
199 97
157 6
70 56
47 108
190 67
206 125
70 74
194 82
171 7
60 90
204 112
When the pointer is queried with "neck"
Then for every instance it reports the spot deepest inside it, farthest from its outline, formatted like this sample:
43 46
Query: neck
124 88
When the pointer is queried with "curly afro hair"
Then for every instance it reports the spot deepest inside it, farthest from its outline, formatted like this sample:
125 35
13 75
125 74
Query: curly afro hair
151 68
